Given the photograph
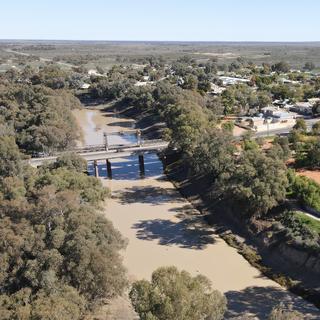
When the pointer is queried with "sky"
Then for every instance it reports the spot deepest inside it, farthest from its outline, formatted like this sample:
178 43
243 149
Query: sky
161 20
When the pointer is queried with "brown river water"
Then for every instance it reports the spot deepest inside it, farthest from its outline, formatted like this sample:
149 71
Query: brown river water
163 229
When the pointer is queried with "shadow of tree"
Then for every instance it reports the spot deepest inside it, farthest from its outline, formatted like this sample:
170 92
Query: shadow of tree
259 301
185 211
190 231
147 194
124 124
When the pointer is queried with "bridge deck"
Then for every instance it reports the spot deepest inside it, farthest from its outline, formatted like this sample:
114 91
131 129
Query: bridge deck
99 152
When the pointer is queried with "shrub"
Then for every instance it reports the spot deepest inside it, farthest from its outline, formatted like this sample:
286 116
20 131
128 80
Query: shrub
177 295
282 312
305 190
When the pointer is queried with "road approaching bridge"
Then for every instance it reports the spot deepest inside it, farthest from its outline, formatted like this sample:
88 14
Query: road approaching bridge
103 152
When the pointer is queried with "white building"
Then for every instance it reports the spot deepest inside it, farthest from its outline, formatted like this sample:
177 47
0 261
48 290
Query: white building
215 89
226 81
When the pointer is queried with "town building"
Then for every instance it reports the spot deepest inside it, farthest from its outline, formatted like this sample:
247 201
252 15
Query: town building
227 81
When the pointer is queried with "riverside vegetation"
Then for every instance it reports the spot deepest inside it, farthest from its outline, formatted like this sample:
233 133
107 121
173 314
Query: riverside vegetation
245 176
59 256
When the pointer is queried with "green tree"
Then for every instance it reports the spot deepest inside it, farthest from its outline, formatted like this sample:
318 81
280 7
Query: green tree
309 66
300 125
10 159
281 67
228 126
58 255
214 153
258 182
185 121
283 91
174 295
71 161
316 109
264 99
63 303
204 86
40 117
16 306
312 157
190 82
228 101
305 190
280 148
250 144
316 128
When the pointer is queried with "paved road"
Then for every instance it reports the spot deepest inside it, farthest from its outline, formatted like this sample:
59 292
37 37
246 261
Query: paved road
283 131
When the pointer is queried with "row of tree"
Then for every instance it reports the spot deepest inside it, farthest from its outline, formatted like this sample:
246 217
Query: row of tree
59 256
38 116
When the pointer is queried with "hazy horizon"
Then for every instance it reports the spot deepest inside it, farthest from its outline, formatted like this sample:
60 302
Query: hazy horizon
159 41
168 21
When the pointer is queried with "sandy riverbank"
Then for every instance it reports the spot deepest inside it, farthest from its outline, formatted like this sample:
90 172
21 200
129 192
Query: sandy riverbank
95 122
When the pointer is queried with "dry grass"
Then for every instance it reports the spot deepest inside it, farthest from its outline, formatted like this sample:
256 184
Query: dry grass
312 174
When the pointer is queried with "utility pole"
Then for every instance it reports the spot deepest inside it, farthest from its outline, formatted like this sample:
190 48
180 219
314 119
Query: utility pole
96 168
105 138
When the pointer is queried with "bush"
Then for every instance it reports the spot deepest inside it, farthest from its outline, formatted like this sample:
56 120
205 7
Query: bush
174 295
298 230
282 312
305 190
71 161
228 126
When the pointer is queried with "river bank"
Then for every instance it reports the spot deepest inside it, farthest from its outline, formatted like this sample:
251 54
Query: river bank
292 267
163 228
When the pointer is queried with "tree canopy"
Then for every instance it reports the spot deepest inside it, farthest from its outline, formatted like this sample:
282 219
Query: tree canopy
172 294
58 254
40 117
258 182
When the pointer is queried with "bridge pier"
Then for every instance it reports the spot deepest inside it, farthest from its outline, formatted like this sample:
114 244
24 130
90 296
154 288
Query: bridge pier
109 169
141 165
96 168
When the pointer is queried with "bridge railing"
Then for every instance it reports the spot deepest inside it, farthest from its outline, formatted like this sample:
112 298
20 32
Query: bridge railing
103 147
99 147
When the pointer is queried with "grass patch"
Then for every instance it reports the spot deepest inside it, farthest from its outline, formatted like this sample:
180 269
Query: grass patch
311 223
